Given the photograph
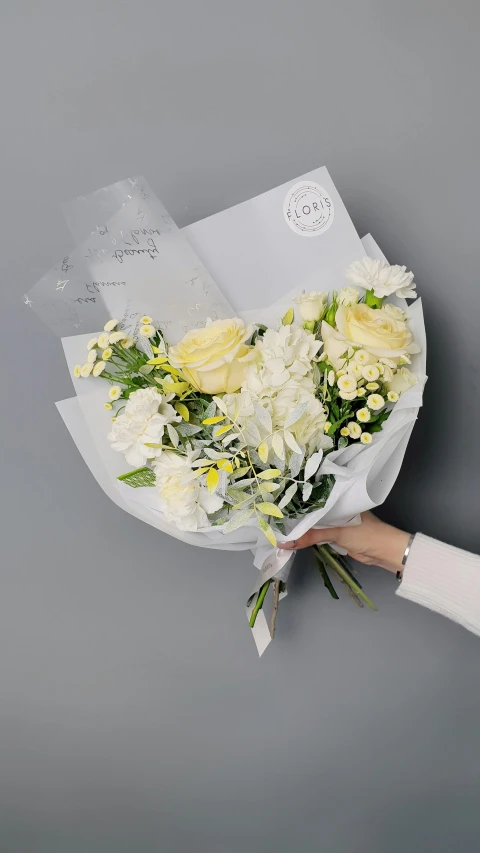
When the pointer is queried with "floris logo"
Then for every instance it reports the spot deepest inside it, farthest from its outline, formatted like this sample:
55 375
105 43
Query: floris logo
308 209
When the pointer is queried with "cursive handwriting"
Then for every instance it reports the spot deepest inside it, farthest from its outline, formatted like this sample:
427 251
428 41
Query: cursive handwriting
135 233
151 251
95 286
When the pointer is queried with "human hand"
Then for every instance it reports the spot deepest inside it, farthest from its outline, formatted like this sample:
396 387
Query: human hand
372 542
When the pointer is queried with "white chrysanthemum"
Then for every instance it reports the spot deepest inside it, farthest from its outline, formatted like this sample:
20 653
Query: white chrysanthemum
92 343
115 392
361 392
127 343
98 368
348 296
372 386
86 370
107 353
375 402
184 501
115 337
108 407
382 278
110 325
146 320
92 356
364 357
77 371
355 429
355 369
147 330
103 340
392 397
345 431
370 372
363 415
366 438
348 395
347 383
143 422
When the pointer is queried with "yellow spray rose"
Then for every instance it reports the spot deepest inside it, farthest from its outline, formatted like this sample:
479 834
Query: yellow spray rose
214 359
379 331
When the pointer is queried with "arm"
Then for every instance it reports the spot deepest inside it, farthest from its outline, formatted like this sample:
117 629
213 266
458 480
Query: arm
438 576
444 579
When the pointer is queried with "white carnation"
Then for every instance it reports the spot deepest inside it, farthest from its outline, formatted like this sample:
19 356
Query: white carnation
143 422
382 278
184 501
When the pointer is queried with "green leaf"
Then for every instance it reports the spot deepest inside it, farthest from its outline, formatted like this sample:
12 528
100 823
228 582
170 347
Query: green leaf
182 411
270 474
287 497
267 530
269 509
238 520
287 318
215 420
212 479
262 450
139 479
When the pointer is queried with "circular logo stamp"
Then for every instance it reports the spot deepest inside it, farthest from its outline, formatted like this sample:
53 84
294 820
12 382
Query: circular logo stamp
308 209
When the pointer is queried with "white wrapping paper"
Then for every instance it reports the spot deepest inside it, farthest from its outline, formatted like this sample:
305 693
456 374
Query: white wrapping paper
255 256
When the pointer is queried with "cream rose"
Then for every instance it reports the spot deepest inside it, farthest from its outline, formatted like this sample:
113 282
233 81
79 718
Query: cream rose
379 332
402 380
213 359
311 305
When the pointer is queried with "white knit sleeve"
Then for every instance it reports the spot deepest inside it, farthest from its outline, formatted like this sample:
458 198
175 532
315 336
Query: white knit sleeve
444 579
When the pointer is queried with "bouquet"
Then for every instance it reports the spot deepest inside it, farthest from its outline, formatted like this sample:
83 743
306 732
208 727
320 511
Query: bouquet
236 431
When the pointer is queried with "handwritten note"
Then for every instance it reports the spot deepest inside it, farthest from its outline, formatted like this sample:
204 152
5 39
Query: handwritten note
133 262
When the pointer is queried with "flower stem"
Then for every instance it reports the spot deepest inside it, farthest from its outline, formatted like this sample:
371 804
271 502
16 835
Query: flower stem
328 556
259 603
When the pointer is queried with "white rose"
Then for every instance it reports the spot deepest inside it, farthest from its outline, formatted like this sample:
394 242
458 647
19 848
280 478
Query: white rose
143 422
184 501
382 278
402 380
348 296
311 305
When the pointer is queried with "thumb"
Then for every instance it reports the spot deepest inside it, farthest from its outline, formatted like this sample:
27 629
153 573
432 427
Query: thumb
312 537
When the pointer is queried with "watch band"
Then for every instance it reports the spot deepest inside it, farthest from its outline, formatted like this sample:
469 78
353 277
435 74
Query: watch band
399 574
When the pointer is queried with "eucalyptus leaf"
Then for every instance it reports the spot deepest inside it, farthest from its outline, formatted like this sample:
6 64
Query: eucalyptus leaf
239 519
296 414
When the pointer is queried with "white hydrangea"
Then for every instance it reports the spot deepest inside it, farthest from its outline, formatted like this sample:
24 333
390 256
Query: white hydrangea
283 355
183 499
143 422
382 278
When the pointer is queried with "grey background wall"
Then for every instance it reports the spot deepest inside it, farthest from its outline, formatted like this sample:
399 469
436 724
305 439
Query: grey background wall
134 713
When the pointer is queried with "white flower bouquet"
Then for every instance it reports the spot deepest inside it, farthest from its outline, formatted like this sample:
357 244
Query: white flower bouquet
236 432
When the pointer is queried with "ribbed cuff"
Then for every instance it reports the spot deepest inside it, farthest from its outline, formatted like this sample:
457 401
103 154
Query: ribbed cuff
445 579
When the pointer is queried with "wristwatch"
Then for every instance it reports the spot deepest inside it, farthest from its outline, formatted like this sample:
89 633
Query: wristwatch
399 574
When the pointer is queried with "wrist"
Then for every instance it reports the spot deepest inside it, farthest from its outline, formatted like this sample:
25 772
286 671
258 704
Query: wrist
395 543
